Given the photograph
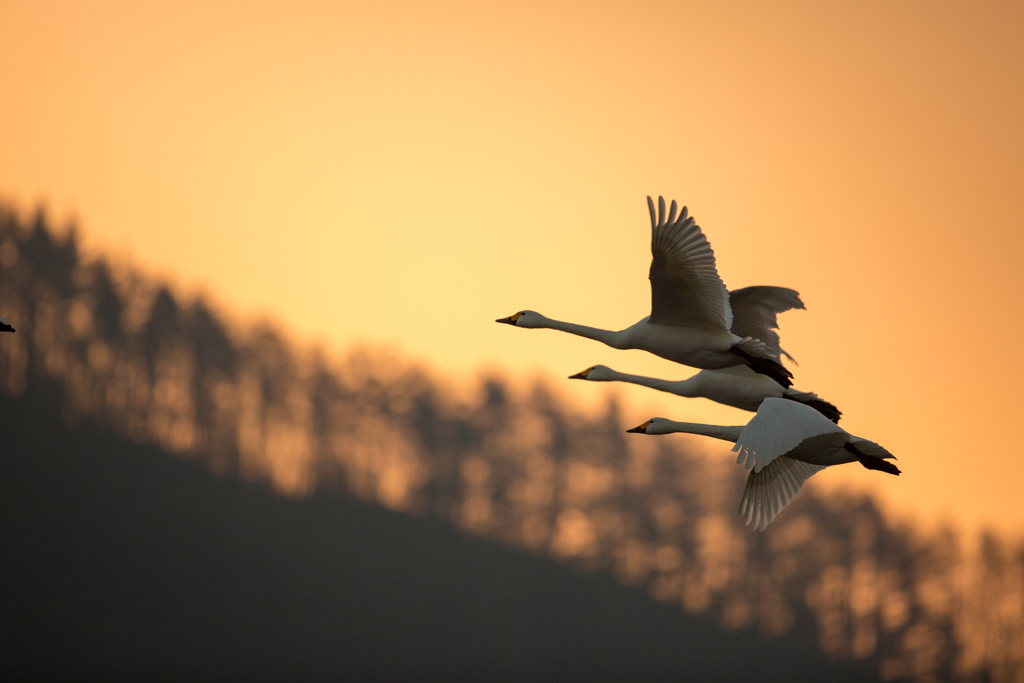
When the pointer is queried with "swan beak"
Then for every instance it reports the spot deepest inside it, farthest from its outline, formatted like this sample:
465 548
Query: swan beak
511 320
642 429
581 375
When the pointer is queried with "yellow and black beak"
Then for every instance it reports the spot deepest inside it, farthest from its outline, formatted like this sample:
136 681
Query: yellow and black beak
581 375
511 320
642 429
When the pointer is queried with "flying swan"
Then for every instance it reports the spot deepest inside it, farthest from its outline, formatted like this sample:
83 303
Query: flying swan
754 315
785 443
691 319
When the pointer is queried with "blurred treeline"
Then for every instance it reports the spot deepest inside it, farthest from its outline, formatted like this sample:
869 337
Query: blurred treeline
111 349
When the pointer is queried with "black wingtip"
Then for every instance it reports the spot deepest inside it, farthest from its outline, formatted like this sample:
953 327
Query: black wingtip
766 366
873 463
823 407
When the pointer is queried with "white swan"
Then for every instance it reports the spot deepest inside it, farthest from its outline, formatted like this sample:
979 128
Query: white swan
755 311
739 387
5 326
691 318
785 443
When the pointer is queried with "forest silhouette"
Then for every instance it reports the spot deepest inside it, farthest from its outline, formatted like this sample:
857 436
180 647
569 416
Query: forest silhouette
182 496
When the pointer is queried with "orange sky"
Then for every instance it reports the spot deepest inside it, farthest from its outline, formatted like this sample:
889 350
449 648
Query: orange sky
406 173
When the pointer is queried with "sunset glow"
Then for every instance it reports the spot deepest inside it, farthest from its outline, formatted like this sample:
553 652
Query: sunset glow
404 174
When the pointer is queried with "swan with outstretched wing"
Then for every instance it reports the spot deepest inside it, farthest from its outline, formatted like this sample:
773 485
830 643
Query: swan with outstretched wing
691 317
783 445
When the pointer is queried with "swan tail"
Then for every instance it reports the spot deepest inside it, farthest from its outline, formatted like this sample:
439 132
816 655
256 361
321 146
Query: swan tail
812 400
872 462
761 361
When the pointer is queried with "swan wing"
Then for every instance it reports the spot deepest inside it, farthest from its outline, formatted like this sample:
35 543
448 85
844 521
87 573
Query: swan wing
778 427
772 489
686 290
754 311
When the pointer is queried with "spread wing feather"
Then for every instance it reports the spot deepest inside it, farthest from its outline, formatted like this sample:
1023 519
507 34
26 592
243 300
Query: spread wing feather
686 290
772 489
778 427
755 311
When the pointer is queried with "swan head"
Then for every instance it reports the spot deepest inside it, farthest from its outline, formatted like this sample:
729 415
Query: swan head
523 319
595 373
654 426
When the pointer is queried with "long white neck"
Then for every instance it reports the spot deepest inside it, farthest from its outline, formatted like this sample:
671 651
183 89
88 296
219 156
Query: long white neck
684 387
616 340
731 434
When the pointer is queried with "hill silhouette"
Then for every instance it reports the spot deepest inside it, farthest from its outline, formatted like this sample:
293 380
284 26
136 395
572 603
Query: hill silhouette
121 560
184 496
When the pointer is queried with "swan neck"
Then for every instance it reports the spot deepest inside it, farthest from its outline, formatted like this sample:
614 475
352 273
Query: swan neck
614 339
725 433
679 388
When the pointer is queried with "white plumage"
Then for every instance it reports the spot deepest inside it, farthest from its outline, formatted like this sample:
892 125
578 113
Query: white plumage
784 444
739 387
779 427
754 314
691 316
769 491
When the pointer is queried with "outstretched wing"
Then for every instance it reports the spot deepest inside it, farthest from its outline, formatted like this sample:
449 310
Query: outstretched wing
754 311
778 427
772 489
686 290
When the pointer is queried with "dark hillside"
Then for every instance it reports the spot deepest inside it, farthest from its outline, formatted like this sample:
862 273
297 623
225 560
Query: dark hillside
122 560
181 494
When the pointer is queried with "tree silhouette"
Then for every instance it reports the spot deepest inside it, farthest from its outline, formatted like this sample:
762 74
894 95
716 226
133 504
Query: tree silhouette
108 347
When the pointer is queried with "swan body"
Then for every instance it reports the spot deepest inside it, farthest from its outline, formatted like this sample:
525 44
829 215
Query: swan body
783 445
755 311
739 387
691 316
5 326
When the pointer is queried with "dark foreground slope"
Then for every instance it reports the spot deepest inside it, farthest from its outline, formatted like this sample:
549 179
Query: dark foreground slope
122 560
